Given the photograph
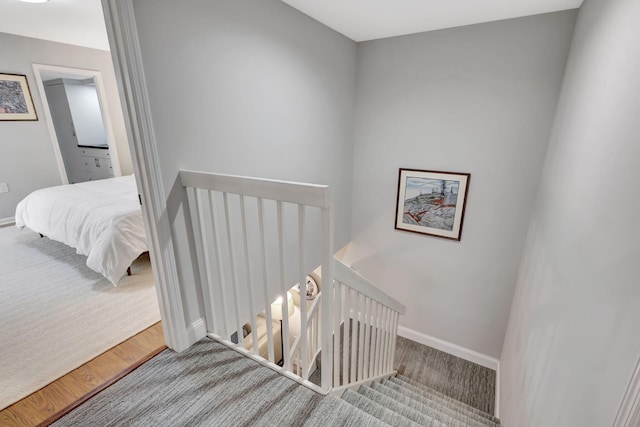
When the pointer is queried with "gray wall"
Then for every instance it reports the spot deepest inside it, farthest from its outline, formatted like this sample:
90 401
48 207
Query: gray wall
477 99
27 161
249 88
572 341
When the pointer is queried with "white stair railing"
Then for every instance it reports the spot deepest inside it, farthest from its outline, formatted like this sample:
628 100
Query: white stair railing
366 321
251 241
254 239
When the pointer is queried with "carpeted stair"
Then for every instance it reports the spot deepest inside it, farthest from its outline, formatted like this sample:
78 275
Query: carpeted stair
399 401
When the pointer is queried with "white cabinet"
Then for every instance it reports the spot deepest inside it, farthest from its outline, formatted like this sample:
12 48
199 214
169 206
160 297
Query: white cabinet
77 119
96 164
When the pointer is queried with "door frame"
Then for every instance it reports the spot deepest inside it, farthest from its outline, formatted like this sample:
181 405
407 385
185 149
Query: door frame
102 99
132 87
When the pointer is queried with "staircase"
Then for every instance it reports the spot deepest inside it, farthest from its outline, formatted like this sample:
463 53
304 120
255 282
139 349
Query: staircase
255 239
399 401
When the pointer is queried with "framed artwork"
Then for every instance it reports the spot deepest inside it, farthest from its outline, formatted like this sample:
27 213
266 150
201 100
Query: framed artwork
15 98
431 202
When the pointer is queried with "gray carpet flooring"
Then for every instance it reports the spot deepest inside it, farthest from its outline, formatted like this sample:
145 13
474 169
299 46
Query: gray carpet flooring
455 377
211 385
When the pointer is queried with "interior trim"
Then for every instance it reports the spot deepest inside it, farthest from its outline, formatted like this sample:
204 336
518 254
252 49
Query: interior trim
5 222
106 117
127 62
115 378
197 330
629 411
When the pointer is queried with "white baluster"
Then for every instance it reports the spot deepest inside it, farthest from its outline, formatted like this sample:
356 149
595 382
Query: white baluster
385 340
327 285
362 317
336 296
234 281
204 266
303 295
394 334
345 335
354 335
286 355
379 342
265 284
252 312
218 260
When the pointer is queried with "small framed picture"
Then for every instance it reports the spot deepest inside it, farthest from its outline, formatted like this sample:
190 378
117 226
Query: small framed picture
15 98
431 202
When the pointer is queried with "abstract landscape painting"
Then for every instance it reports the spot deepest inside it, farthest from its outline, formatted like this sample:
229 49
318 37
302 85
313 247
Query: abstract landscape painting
15 98
431 202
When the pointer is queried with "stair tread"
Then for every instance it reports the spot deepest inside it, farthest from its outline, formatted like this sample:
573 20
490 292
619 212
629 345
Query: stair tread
450 407
429 390
425 396
421 418
445 414
335 411
376 410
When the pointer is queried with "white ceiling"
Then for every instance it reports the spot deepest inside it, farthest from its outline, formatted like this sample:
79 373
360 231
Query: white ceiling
78 22
362 20
81 22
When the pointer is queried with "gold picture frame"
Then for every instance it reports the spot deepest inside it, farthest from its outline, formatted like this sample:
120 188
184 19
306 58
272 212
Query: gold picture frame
16 103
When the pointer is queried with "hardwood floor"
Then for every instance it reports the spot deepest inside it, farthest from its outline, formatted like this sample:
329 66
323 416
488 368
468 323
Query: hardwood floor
56 399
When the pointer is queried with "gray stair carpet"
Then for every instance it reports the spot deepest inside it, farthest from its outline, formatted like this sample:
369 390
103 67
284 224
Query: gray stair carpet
437 410
395 406
465 381
375 409
436 395
398 403
212 385
444 373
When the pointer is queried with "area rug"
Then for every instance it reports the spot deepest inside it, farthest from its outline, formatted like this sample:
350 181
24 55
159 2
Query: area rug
56 314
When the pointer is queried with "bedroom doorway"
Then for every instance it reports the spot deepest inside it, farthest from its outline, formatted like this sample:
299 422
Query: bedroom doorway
78 121
46 285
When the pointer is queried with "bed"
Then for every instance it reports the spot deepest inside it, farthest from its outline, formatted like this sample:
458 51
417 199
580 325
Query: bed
100 219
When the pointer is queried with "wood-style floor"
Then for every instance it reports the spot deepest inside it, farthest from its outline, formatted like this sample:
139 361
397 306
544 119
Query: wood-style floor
56 399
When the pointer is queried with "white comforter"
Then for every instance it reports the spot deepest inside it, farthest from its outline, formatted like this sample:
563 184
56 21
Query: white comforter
100 219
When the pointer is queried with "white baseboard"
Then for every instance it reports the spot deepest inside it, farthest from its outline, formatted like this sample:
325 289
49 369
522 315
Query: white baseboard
7 221
447 347
196 331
